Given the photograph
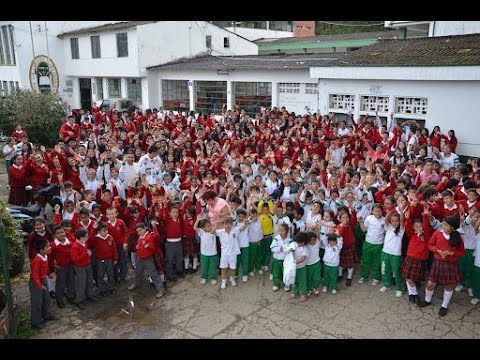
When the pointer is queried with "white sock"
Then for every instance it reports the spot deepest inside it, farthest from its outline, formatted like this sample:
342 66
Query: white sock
186 262
162 277
340 271
195 263
447 295
412 290
349 273
428 295
50 286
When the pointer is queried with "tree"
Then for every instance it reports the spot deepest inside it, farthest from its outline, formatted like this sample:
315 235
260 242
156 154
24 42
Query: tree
347 27
13 239
41 115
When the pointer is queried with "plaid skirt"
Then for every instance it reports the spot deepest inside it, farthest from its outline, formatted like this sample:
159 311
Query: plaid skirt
413 269
18 196
347 257
445 273
189 246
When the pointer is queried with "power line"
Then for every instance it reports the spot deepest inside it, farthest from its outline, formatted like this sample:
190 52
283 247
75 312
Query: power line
339 24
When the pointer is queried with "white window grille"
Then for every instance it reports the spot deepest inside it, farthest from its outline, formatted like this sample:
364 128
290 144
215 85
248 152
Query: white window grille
289 88
311 88
374 103
340 101
410 105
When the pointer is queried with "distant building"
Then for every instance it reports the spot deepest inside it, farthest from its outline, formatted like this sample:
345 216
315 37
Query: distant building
437 28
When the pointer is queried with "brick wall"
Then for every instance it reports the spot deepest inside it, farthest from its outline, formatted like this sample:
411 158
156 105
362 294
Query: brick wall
303 28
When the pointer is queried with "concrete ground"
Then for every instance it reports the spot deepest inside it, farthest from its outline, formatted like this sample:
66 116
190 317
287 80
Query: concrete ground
253 310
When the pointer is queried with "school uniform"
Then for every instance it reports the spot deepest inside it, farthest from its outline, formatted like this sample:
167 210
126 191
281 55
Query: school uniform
173 246
267 224
372 247
278 257
415 263
347 255
83 272
444 271
475 280
65 278
391 257
466 262
243 257
255 237
39 300
363 211
106 253
119 231
300 286
208 255
331 260
313 266
230 248
145 251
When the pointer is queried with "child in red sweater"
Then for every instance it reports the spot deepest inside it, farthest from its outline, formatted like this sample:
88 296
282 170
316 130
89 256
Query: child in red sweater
38 285
61 262
447 246
347 254
119 231
190 248
80 256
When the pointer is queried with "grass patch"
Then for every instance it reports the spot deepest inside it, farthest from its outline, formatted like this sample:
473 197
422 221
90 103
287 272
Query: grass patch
24 330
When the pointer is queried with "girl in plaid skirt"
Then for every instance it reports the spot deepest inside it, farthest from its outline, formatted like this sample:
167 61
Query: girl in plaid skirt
415 263
447 246
347 254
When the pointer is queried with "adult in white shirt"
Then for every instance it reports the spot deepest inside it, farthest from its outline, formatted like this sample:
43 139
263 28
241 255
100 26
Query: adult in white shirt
343 130
129 171
449 159
374 226
150 160
337 154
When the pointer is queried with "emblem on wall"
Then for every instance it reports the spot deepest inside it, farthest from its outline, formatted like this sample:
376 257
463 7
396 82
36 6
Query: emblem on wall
44 75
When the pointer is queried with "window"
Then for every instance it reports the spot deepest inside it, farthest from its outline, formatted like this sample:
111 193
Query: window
281 25
5 88
209 41
374 103
95 42
251 96
410 105
175 95
134 89
114 88
12 87
74 47
311 89
210 96
338 101
99 82
226 42
122 45
10 28
17 85
289 88
2 57
6 44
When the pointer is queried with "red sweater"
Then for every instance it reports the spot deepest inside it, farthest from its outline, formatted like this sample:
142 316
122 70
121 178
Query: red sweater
38 174
60 254
79 254
66 128
119 231
145 246
32 239
18 177
105 248
417 245
348 236
39 270
439 242
173 228
187 228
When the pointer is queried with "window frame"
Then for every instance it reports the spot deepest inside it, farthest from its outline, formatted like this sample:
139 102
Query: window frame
118 37
95 46
74 49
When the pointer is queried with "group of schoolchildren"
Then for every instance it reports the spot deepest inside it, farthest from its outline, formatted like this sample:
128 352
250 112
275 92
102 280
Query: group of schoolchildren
175 192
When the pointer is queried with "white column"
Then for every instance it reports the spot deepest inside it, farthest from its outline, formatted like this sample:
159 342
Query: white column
105 89
229 95
356 111
123 87
274 94
191 94
145 100
160 94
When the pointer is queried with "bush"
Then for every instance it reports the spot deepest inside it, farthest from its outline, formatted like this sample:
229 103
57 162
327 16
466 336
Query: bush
12 237
41 115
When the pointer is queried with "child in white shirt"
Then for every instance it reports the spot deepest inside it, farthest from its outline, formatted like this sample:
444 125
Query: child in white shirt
300 255
331 260
313 264
229 250
374 226
208 250
255 236
242 258
279 255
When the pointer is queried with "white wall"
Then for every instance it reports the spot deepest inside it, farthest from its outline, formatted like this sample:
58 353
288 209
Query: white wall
451 104
109 65
444 28
255 34
166 41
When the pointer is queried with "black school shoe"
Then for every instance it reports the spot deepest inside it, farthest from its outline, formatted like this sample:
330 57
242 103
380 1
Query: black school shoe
443 311
50 318
53 295
340 278
81 305
71 300
60 304
38 326
423 303
349 282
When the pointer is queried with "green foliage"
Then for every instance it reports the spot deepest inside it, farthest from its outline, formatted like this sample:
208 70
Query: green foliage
12 236
347 27
41 115
24 330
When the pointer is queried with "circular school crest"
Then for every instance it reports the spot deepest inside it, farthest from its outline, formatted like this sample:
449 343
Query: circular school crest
43 75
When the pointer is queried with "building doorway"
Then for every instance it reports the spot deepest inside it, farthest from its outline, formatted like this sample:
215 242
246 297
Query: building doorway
86 93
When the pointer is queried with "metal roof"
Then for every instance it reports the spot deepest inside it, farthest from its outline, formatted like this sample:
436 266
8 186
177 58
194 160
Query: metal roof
248 62
104 28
